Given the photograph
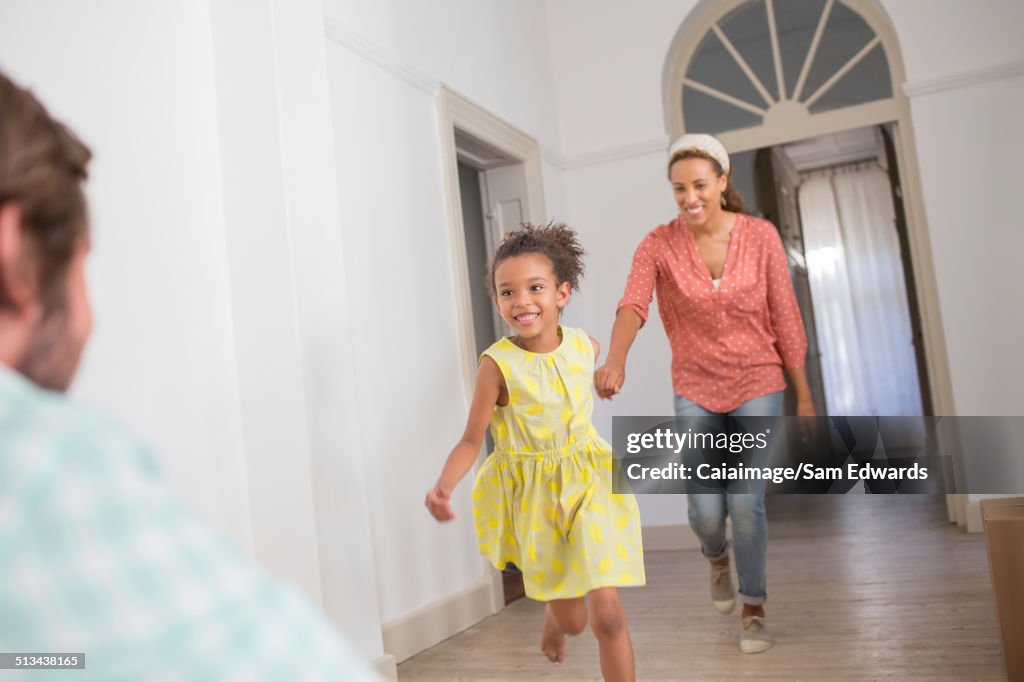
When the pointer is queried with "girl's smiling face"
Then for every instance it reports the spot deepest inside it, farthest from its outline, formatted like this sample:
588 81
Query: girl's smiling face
529 299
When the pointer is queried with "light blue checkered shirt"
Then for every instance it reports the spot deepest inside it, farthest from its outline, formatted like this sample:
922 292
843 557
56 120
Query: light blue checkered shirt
98 556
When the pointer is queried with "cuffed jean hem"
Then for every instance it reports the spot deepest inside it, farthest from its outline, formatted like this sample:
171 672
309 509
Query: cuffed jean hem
753 601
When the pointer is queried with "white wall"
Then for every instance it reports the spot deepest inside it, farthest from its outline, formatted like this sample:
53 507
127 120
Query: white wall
494 52
608 60
941 38
408 378
971 173
386 63
615 205
290 305
136 84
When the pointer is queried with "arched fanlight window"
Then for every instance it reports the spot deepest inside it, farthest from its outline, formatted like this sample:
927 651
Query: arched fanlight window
763 72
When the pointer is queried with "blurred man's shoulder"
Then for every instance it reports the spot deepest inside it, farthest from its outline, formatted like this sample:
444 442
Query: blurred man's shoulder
41 429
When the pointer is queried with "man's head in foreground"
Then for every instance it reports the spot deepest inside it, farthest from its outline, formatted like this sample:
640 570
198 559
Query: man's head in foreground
45 318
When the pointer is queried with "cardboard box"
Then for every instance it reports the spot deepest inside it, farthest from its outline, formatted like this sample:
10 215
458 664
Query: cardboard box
1003 519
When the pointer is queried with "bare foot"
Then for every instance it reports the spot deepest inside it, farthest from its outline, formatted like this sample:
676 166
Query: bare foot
552 639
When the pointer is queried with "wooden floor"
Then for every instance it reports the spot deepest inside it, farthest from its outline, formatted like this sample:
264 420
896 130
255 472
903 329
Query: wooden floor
860 587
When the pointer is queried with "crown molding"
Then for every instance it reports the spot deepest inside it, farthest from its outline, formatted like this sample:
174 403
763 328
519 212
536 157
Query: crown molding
618 153
341 35
554 157
961 80
345 37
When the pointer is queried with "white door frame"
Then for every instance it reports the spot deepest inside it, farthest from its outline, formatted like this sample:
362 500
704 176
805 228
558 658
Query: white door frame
455 112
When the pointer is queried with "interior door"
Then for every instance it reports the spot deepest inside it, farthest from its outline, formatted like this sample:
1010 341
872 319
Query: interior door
503 189
776 184
504 193
479 250
908 271
506 198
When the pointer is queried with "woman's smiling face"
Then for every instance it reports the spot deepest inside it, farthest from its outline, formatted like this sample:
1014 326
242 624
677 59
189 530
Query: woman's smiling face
697 188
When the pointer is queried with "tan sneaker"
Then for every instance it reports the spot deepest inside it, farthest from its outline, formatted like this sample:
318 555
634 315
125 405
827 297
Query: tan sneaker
755 637
723 594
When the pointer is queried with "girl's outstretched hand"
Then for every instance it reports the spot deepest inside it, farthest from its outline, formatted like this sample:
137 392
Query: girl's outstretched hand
608 380
439 502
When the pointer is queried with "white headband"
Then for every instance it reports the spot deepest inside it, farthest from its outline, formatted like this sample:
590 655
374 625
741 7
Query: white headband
705 143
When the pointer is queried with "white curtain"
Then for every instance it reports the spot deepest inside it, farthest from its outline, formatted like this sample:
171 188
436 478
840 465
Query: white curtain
860 299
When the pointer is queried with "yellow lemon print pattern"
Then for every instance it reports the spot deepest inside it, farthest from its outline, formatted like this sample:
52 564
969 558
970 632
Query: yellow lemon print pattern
543 499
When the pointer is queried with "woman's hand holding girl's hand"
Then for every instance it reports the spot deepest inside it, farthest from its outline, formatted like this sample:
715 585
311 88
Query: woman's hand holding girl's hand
439 502
608 380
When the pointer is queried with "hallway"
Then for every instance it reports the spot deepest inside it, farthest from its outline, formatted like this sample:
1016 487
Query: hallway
861 587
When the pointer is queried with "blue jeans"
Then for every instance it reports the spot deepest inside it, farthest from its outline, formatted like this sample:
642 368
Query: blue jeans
707 511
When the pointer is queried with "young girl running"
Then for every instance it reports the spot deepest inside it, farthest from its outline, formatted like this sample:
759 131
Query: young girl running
543 499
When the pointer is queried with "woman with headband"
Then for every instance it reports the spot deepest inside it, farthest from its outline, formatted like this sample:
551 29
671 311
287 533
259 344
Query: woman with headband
727 304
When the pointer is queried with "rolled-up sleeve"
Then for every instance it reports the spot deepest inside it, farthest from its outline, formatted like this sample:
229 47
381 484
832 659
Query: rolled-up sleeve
783 311
640 283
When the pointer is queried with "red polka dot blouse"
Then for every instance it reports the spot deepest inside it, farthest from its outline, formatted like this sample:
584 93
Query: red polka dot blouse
728 345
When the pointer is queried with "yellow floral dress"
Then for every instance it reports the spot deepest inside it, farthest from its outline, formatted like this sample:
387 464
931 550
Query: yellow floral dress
543 499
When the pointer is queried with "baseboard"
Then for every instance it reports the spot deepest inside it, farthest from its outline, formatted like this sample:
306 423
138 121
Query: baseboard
673 537
973 514
386 666
407 636
959 513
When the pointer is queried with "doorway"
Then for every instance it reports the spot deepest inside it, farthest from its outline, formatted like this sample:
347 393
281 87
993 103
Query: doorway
763 73
492 196
492 174
491 190
837 202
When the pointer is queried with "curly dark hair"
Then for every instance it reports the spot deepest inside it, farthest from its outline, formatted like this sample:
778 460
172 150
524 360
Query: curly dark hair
555 240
